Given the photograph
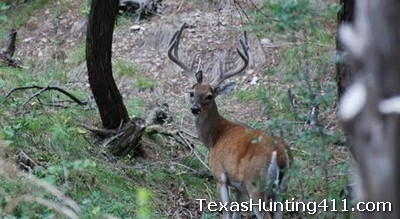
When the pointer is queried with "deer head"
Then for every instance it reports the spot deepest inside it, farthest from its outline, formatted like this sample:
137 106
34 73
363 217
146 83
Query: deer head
203 94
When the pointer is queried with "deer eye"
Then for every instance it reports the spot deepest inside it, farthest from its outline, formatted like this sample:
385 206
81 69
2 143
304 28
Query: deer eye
209 97
191 94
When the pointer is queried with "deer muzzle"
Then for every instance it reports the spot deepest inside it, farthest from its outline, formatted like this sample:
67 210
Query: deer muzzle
195 109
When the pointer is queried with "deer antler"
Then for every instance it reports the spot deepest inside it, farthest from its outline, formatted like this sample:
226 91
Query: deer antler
243 54
173 54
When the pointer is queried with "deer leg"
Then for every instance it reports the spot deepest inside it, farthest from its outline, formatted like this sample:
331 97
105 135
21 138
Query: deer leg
273 193
223 191
238 199
258 199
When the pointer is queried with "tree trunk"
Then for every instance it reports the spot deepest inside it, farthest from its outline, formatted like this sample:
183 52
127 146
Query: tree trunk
343 70
370 107
98 57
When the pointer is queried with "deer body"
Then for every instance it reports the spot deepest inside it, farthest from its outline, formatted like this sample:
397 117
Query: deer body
247 159
239 155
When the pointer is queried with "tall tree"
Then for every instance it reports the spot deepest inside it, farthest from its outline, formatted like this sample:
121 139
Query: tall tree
370 107
343 70
108 99
98 57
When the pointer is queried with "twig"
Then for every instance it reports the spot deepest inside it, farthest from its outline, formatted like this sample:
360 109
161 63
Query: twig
43 89
184 166
179 8
189 133
178 136
33 96
301 151
194 151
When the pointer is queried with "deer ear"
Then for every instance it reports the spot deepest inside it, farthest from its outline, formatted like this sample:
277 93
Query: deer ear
224 89
199 76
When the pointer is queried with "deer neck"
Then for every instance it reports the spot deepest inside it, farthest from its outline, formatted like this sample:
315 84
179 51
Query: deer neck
209 125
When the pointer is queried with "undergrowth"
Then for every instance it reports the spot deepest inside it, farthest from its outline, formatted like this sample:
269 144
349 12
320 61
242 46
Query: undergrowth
75 162
304 31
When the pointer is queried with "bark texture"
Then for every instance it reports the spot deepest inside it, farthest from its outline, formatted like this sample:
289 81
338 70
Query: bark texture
343 70
369 112
98 56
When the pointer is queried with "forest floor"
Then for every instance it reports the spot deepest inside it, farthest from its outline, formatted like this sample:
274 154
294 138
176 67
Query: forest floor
51 44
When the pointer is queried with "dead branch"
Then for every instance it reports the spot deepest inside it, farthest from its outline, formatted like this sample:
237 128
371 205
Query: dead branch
7 53
180 138
43 89
142 8
25 162
293 102
128 138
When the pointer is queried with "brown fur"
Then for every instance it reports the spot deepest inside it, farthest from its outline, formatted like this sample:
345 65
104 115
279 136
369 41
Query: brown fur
241 153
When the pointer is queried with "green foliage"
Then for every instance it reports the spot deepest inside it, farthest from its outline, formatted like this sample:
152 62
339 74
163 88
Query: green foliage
136 107
79 55
3 7
145 83
296 17
123 67
18 17
75 161
51 137
85 10
249 95
144 202
306 68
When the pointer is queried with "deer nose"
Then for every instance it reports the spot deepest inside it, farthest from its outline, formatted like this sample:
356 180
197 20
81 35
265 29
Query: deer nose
195 109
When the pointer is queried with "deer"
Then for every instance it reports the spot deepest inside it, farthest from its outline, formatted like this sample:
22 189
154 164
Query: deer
247 159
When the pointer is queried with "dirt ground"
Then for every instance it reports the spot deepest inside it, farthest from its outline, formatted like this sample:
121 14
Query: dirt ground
215 30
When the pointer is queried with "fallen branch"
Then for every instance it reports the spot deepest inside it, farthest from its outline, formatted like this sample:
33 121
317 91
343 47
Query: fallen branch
42 90
123 139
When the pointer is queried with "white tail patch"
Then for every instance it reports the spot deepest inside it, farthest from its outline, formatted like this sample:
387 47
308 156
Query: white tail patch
273 171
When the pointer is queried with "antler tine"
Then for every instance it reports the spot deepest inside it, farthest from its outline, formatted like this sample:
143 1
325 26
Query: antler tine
194 60
173 54
244 55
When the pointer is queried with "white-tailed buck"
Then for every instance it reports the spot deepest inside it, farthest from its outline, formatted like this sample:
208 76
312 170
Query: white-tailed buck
247 159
